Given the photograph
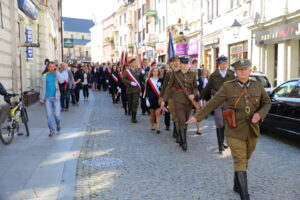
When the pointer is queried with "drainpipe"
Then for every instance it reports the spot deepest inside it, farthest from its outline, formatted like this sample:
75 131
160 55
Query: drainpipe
14 46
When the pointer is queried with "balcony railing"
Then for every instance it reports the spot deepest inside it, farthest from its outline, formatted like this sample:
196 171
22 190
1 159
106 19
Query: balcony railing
150 10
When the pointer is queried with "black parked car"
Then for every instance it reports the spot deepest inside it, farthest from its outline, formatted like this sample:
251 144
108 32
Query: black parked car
284 116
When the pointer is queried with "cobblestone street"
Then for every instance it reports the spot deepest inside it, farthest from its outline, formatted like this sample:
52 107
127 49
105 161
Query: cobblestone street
133 162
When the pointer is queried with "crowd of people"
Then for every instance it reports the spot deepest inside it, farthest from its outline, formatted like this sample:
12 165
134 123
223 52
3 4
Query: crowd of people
176 91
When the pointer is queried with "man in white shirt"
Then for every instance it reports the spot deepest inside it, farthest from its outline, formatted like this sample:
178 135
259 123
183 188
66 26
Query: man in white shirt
66 84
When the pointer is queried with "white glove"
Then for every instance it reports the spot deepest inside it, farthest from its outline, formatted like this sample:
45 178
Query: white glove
147 103
106 81
143 71
119 90
133 84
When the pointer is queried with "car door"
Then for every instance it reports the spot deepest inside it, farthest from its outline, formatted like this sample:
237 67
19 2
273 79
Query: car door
279 117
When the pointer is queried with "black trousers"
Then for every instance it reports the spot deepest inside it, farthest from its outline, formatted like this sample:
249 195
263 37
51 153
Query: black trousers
167 119
124 99
75 95
86 91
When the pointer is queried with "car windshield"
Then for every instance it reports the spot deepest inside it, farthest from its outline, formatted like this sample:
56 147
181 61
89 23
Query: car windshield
264 81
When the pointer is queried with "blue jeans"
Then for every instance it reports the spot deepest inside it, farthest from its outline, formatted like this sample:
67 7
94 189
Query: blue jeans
65 100
53 112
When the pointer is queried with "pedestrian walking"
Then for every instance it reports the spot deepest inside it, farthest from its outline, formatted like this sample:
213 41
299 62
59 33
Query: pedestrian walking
152 94
132 78
113 82
248 105
202 81
174 64
182 87
66 82
95 77
144 71
216 80
86 81
77 74
122 89
50 95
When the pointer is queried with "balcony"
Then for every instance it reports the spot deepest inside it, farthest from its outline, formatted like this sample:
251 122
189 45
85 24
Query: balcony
150 10
150 13
115 29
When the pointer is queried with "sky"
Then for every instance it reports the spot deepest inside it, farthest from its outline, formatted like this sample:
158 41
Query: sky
88 9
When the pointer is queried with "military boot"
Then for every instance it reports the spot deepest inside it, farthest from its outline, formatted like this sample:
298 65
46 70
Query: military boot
235 184
179 137
175 134
222 137
242 184
183 135
219 137
133 117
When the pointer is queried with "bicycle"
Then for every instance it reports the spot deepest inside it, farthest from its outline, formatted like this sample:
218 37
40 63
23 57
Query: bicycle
10 120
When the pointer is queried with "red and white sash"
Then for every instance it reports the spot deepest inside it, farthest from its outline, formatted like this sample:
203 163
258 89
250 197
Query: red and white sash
131 77
114 78
120 75
154 87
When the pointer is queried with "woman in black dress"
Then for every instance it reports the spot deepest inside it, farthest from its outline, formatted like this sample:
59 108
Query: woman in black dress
113 83
153 86
122 86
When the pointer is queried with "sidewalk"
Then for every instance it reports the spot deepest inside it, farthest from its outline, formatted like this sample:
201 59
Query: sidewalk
40 167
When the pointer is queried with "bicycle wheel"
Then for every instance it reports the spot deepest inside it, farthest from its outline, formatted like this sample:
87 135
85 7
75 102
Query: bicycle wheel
6 132
24 117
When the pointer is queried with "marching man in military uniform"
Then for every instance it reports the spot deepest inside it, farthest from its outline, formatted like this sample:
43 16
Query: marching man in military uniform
215 82
248 104
174 66
182 88
132 77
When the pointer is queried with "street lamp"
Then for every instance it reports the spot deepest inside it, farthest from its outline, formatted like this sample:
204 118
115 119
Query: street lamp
236 26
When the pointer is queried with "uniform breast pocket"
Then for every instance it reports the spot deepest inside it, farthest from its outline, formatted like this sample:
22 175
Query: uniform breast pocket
233 99
256 98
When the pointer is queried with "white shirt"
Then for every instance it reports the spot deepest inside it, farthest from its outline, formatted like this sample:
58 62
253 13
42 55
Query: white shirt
85 82
64 76
205 81
223 74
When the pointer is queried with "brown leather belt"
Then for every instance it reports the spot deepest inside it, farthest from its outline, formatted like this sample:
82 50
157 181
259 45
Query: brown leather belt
181 90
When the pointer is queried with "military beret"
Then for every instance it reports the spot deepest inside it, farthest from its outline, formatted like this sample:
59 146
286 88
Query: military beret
131 60
221 59
184 60
241 63
172 59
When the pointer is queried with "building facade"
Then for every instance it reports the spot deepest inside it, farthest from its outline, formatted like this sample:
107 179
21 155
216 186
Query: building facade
30 32
276 36
77 36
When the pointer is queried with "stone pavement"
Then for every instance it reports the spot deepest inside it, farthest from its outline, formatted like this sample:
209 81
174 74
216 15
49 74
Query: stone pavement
125 161
39 167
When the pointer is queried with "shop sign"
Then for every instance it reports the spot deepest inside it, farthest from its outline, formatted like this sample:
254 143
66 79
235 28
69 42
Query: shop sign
68 42
181 49
187 49
29 8
277 34
160 47
28 40
192 48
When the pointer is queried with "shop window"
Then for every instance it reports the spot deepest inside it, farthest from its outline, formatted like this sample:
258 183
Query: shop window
239 50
